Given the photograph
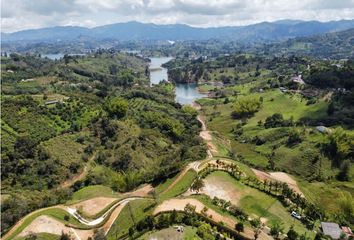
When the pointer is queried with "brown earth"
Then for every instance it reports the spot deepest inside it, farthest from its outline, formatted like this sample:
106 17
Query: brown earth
278 176
45 224
94 205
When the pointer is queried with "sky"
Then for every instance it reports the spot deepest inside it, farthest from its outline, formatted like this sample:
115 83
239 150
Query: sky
30 14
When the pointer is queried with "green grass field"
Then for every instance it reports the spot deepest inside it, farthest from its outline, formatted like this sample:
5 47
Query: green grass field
132 213
93 191
181 186
42 236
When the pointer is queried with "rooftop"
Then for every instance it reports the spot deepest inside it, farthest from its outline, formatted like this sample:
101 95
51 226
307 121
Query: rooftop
331 229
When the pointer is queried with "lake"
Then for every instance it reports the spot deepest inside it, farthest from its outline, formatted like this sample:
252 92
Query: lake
186 93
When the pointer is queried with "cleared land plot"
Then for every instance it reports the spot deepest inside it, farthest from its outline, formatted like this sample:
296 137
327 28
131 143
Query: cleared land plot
45 224
278 176
93 206
252 201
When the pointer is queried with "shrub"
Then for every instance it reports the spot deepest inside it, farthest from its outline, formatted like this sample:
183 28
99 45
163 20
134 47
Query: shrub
246 107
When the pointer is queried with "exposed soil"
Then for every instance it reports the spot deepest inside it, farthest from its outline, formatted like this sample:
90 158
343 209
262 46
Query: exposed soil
143 191
45 224
94 205
71 181
278 176
215 187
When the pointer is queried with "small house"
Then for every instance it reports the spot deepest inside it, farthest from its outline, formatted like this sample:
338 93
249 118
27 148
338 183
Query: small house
331 229
51 102
298 79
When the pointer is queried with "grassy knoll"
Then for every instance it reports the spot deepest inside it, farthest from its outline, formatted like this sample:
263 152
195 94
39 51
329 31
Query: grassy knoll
256 203
218 118
327 196
165 184
181 186
132 213
93 191
55 213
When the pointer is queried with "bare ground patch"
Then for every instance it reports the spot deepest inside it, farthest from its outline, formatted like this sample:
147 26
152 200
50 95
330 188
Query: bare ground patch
278 176
94 205
216 187
45 224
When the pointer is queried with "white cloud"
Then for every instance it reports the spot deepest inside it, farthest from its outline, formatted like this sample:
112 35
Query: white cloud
24 14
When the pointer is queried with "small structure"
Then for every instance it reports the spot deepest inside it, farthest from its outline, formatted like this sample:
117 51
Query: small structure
283 89
10 71
179 228
27 80
347 231
298 79
323 129
331 229
51 102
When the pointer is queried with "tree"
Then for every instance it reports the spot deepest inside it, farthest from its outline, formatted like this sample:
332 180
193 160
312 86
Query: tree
276 120
99 235
292 234
344 172
245 107
204 231
294 137
197 185
65 236
117 107
276 230
239 227
331 109
25 147
189 209
162 221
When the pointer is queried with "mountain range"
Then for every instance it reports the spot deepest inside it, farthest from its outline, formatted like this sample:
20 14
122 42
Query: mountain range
264 31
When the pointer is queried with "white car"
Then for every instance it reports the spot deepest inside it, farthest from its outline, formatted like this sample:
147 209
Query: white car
295 215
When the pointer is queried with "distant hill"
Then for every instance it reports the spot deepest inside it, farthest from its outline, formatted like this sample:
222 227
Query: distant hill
265 31
335 45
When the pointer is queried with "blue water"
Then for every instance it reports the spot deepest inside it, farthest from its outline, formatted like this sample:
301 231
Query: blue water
185 93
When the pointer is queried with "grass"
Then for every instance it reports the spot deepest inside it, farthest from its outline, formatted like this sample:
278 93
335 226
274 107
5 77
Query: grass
289 105
180 187
65 148
326 195
43 236
165 184
55 213
258 204
132 213
91 192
